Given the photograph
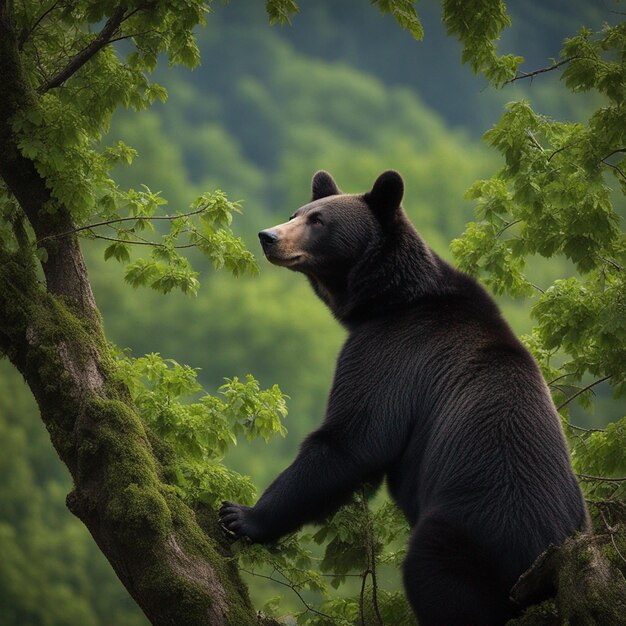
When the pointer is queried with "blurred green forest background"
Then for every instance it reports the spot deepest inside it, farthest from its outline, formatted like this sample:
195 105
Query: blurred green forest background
342 89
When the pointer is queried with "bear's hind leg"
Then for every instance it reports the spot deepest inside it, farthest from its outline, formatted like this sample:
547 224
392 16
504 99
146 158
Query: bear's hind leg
449 582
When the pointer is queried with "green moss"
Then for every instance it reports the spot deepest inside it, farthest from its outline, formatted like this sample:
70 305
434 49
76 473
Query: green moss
543 614
140 514
584 557
206 546
147 512
616 553
117 465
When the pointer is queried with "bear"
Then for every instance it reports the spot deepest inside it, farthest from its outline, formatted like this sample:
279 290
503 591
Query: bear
434 393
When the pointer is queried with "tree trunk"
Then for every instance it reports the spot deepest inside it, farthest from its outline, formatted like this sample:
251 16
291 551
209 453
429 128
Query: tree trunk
585 578
177 571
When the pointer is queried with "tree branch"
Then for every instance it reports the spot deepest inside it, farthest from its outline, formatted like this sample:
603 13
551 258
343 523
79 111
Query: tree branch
77 61
531 75
362 596
585 430
506 226
580 391
123 219
32 29
586 477
291 586
615 167
176 571
371 556
589 587
560 377
143 242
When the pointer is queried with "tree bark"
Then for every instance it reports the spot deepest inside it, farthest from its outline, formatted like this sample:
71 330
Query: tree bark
177 571
583 578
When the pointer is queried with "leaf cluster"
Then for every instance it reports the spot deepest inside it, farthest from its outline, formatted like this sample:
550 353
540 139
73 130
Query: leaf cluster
204 228
478 24
61 129
201 427
356 541
560 193
82 61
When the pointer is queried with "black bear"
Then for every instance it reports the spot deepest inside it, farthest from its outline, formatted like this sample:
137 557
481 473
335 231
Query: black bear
433 391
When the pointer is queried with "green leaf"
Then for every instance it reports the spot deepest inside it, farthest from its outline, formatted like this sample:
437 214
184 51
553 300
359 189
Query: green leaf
280 11
404 13
119 251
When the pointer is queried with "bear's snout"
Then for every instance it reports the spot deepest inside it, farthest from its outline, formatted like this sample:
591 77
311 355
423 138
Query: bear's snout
267 238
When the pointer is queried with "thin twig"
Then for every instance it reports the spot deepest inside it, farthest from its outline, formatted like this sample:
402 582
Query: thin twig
371 558
593 384
601 478
612 263
141 7
291 586
610 154
534 141
145 242
621 556
522 75
565 147
612 530
362 597
615 167
508 225
131 35
31 30
560 377
584 430
124 219
375 590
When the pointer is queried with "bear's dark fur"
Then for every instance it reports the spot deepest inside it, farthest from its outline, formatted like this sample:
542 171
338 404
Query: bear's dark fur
432 390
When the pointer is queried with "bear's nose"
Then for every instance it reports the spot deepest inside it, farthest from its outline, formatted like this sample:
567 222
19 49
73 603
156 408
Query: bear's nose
267 237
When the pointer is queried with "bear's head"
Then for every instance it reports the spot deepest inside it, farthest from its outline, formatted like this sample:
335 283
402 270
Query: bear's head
351 246
330 233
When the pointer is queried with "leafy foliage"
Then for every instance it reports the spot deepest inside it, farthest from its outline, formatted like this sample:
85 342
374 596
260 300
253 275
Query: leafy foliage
356 543
201 431
478 25
205 228
61 131
405 14
557 195
280 10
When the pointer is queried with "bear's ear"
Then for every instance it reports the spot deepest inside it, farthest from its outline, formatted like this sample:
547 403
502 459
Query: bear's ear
323 186
386 195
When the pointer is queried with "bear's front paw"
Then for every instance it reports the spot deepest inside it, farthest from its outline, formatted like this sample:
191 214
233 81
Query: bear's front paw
238 519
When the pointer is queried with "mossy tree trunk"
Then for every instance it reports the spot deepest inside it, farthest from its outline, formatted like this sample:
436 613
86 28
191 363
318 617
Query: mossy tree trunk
584 579
173 561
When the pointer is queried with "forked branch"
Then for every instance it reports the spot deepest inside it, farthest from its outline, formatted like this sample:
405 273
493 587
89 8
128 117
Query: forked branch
77 61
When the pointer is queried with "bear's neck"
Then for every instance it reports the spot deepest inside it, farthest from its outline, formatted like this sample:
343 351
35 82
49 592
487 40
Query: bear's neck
393 274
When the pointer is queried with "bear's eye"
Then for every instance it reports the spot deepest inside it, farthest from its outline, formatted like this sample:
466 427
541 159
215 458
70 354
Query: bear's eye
316 219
